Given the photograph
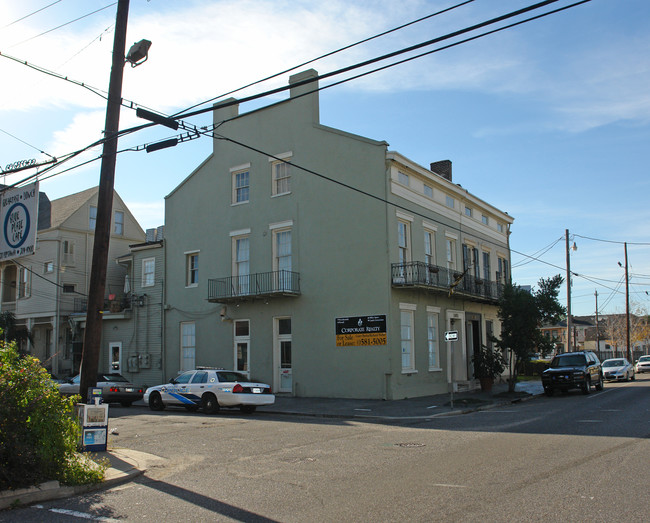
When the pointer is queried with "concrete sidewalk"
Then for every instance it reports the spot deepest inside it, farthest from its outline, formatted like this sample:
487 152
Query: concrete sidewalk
127 464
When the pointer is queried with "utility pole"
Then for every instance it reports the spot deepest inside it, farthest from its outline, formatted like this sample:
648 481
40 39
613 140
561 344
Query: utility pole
569 338
93 331
597 328
627 309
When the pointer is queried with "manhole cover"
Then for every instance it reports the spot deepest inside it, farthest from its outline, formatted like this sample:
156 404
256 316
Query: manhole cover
408 445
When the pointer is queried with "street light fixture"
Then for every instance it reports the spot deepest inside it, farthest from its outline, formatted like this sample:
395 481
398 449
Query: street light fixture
138 53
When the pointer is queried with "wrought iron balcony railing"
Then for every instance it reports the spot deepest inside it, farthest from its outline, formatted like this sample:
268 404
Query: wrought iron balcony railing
258 285
423 275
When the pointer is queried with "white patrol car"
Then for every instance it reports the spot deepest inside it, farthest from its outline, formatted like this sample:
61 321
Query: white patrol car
210 389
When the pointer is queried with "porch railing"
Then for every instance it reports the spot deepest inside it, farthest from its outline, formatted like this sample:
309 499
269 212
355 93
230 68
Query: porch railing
261 284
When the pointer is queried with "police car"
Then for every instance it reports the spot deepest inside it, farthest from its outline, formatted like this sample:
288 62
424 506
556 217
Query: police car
210 389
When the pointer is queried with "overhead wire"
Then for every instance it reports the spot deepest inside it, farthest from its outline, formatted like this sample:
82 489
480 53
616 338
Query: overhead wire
31 14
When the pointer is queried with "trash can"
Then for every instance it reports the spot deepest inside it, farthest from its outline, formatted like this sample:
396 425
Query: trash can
93 418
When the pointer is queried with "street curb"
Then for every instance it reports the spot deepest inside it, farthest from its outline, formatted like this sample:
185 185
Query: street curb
51 490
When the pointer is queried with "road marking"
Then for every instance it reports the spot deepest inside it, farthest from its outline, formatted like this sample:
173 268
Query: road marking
589 421
448 486
433 407
364 410
76 514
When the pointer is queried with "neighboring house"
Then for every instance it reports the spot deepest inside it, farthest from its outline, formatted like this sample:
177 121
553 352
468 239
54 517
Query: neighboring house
47 291
611 341
132 340
297 279
558 332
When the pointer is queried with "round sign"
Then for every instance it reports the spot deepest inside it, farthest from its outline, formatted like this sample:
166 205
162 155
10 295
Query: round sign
16 226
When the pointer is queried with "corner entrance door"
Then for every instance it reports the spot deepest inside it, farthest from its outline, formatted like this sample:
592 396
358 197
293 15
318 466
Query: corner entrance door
282 357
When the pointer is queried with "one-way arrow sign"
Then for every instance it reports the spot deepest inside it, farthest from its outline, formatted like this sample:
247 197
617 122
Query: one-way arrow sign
451 336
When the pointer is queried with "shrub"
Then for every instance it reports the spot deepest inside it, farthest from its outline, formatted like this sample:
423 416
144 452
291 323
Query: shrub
38 431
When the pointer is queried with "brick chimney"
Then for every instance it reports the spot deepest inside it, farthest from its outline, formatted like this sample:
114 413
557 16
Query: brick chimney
442 168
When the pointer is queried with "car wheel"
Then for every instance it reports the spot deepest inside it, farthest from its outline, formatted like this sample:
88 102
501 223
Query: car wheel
210 403
156 402
548 391
601 384
633 377
192 408
586 386
125 403
247 409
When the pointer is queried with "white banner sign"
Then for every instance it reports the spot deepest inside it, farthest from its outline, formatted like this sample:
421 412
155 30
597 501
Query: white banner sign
19 221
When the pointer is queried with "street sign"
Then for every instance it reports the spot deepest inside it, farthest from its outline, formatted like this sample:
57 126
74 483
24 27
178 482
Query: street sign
451 336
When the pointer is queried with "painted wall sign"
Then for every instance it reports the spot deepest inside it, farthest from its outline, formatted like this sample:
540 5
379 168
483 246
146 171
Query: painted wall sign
358 331
19 219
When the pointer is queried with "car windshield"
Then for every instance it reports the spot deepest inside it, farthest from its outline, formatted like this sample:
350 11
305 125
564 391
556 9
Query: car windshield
231 376
644 358
112 377
613 363
572 360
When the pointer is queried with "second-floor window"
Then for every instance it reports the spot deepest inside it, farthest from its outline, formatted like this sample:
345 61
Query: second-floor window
503 270
92 217
148 272
486 265
68 252
192 268
429 258
281 178
24 283
118 227
403 242
241 186
241 263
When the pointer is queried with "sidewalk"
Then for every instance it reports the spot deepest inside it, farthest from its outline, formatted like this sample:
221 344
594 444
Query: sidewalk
126 464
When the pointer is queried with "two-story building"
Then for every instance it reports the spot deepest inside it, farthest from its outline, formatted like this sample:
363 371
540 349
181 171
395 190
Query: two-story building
47 291
325 264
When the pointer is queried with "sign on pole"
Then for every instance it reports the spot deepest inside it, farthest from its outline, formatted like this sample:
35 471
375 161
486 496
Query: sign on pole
451 336
19 221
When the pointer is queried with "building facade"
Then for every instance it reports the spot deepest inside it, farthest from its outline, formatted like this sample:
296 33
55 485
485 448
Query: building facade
326 265
47 291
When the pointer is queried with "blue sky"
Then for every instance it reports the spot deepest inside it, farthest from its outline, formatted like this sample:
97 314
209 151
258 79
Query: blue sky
549 121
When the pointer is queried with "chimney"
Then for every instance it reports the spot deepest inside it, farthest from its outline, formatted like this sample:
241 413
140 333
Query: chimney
304 86
442 168
150 235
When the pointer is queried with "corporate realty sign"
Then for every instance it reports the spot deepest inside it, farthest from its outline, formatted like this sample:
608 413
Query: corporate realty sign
361 330
19 219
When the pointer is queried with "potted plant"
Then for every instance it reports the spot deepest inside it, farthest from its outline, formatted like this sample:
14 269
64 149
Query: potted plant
488 365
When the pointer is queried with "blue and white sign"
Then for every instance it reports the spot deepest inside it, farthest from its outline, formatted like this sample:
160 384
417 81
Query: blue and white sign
19 219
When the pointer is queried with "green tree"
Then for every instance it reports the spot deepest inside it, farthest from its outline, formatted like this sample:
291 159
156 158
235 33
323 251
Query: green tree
38 432
522 313
11 330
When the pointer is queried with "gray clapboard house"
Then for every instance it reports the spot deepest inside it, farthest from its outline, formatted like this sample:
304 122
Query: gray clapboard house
326 264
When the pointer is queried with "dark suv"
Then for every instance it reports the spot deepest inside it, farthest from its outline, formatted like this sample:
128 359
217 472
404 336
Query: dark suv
573 370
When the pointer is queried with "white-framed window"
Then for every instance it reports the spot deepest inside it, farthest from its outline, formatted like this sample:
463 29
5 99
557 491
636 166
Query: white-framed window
485 219
486 265
500 227
450 202
403 178
68 252
282 257
241 186
48 267
68 288
148 272
281 178
118 227
406 337
468 211
188 345
92 217
432 338
24 282
502 267
403 242
428 191
192 269
429 247
451 253
241 264
242 345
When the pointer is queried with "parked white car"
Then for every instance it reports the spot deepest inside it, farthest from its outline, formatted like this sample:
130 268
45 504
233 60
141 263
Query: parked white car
643 364
210 389
618 369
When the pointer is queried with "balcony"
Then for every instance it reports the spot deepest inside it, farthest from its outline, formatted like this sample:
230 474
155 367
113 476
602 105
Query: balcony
431 277
259 285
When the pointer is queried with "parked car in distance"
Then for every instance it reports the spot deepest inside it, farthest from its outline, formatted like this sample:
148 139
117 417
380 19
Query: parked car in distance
210 389
115 389
618 369
642 364
573 370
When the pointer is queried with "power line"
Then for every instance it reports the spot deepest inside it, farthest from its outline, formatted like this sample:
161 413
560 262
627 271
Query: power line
30 14
63 25
612 241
